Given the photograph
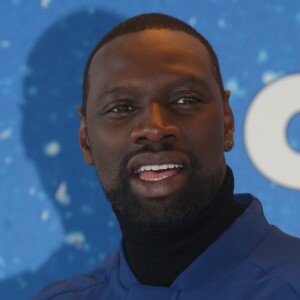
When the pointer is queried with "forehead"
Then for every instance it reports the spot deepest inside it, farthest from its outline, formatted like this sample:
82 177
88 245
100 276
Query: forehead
152 53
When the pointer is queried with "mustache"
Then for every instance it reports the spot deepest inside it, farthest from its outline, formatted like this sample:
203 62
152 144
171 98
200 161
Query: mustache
148 148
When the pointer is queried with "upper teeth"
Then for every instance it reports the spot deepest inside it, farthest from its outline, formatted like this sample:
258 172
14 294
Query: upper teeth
157 167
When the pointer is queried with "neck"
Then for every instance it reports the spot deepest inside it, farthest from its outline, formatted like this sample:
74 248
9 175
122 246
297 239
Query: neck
158 260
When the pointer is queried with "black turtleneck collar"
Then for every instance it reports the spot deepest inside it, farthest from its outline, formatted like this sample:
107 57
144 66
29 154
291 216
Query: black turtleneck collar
158 260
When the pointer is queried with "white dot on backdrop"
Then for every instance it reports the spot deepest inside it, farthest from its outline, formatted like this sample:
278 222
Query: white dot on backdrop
52 148
6 133
262 56
61 194
193 21
232 85
76 239
45 3
5 44
32 191
8 160
44 215
221 23
269 76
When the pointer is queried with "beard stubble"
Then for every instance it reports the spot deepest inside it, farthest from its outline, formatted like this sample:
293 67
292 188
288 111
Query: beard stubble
167 214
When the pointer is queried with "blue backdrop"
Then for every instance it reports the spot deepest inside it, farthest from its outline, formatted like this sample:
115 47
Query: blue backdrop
54 220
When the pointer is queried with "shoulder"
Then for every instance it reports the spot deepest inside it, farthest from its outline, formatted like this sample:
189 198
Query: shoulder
278 255
80 286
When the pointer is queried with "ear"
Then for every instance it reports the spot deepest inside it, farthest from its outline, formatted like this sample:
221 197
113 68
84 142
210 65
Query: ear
84 139
228 123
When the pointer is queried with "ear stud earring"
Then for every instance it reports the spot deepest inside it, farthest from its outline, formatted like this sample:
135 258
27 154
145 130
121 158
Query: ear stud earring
229 146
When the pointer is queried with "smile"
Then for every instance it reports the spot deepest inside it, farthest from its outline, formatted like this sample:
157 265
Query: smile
157 172
157 168
158 175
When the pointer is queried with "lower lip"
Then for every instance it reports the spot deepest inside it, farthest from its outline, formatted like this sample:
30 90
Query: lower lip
160 185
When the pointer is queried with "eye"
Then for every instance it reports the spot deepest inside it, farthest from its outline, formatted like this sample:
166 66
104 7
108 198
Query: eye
122 109
187 101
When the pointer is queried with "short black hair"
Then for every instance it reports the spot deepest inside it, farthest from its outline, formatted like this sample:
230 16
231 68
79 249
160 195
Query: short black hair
151 21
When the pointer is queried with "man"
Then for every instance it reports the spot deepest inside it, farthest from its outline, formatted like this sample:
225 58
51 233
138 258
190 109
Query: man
155 123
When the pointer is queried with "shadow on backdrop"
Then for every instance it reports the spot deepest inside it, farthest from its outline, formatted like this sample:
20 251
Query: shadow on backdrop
52 92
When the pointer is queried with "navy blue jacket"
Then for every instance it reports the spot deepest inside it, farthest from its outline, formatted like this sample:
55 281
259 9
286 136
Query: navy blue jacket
250 260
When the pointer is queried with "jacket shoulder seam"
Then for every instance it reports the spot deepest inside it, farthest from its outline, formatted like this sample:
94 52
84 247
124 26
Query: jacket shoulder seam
277 277
74 290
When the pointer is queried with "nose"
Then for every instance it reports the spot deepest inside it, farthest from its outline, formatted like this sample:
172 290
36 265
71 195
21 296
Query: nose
154 126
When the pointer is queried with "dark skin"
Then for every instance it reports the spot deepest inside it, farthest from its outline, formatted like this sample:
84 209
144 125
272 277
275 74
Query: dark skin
149 89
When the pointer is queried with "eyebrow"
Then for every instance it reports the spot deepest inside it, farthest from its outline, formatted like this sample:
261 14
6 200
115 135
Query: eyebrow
111 90
189 79
179 81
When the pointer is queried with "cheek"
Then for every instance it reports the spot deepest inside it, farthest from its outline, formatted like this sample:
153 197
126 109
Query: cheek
206 138
108 151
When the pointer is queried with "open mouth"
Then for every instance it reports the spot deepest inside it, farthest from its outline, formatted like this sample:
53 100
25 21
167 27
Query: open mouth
157 172
158 175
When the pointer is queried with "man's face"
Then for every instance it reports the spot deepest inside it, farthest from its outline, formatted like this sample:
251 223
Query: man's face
155 127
